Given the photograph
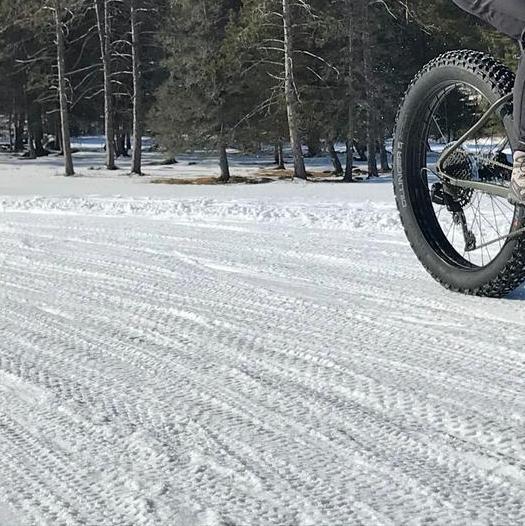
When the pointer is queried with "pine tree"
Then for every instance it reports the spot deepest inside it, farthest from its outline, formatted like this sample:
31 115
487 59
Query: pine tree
199 103
290 90
138 89
59 13
103 13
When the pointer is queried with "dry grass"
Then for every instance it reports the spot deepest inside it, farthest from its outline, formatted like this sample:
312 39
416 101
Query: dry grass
263 176
316 177
281 175
213 181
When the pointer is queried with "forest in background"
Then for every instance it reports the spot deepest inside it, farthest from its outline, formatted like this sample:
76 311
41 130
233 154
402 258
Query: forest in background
216 74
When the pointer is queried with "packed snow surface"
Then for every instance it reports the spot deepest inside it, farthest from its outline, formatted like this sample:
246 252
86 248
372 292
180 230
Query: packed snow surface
236 356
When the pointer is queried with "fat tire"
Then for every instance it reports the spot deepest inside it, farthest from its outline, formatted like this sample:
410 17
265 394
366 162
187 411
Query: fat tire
507 271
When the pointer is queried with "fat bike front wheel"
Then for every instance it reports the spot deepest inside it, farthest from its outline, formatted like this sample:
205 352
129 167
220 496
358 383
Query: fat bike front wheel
459 234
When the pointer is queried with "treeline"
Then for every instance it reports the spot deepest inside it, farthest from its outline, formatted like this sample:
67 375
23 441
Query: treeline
221 73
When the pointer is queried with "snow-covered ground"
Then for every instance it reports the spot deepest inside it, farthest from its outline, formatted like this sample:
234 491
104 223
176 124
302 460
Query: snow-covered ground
243 355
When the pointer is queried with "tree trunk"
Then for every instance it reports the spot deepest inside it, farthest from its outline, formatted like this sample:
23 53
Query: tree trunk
10 125
104 32
121 145
39 146
338 167
119 137
19 132
224 164
290 93
371 144
37 128
349 168
361 150
370 109
30 140
280 156
385 166
372 156
58 136
30 129
64 111
138 114
118 146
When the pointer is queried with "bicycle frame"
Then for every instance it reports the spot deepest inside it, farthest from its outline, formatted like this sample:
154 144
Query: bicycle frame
488 188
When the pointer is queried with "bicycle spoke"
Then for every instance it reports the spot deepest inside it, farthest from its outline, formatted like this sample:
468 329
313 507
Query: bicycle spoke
483 158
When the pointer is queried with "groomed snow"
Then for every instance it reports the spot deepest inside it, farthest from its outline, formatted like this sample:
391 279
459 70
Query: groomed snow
243 355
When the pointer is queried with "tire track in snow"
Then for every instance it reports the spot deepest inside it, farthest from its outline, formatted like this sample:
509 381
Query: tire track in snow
299 402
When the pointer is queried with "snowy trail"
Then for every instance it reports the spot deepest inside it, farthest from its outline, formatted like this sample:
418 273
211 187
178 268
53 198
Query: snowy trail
155 372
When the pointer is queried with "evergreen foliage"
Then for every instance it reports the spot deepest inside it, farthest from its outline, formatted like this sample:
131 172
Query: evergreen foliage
213 73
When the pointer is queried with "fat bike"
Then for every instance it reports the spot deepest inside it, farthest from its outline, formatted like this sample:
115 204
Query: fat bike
452 167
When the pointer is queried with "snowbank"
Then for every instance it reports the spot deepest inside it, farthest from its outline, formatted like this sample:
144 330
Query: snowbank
350 216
